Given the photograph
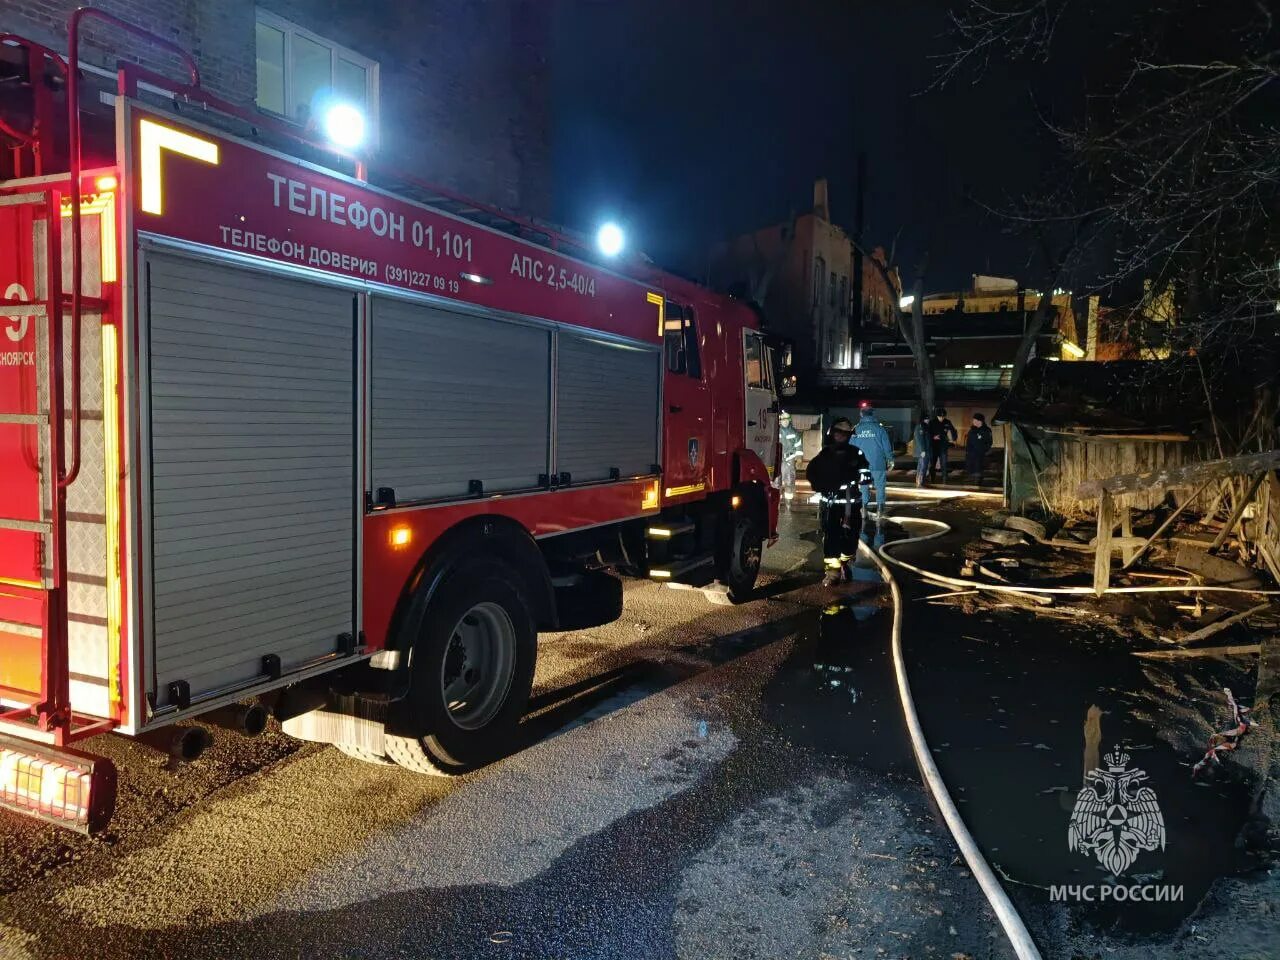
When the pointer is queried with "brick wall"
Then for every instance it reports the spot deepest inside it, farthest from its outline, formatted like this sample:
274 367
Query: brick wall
462 85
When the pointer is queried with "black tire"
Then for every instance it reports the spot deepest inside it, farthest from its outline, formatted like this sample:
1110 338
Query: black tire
472 673
410 753
742 558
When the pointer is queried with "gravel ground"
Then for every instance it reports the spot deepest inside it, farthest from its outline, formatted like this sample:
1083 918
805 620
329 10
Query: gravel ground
693 792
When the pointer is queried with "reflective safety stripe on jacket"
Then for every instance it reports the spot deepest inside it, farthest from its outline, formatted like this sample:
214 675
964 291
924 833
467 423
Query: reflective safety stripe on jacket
843 497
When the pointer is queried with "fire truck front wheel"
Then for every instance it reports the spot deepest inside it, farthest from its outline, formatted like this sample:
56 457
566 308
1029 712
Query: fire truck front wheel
472 672
742 563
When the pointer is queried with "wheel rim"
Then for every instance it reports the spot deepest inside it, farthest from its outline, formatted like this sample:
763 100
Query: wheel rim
478 665
747 556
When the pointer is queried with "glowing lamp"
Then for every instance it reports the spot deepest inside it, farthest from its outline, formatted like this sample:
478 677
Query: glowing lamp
650 501
610 239
344 125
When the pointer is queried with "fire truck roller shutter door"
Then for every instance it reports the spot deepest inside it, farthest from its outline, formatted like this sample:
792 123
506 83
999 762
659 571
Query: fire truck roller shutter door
456 397
606 407
252 447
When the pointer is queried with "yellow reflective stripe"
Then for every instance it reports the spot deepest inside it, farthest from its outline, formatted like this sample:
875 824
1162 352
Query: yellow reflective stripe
681 491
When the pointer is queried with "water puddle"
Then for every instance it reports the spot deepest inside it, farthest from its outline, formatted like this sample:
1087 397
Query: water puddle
835 694
1019 713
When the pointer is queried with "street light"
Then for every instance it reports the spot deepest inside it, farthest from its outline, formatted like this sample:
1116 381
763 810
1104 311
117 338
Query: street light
610 239
344 125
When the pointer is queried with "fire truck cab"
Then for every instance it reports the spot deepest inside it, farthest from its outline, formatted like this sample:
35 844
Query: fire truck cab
279 432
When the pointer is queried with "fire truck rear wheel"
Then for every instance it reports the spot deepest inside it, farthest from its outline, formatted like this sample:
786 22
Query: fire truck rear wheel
745 548
472 673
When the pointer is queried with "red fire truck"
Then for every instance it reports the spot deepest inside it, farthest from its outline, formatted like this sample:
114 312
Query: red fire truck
278 437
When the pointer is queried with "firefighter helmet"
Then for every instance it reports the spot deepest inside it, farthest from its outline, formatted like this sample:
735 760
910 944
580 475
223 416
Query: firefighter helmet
843 424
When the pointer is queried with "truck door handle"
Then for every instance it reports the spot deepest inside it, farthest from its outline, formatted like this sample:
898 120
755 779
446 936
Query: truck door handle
675 408
751 423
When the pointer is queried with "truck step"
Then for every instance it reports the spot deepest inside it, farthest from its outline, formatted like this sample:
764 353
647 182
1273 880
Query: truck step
669 531
681 568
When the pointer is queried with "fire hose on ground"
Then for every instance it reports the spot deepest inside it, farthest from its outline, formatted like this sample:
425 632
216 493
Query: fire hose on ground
1019 937
1014 928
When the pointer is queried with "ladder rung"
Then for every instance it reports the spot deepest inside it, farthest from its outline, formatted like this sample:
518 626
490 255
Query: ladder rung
21 629
22 199
32 418
30 526
11 309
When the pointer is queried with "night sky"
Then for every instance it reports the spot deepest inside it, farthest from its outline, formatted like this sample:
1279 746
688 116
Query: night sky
691 121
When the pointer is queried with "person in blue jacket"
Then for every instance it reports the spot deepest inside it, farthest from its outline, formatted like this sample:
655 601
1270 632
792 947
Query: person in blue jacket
872 438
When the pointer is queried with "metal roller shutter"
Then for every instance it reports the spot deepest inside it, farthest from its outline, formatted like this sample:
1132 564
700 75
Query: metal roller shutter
606 408
252 471
456 398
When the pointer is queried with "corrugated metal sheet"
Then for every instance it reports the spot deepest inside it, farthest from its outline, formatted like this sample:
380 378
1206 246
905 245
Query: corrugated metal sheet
253 471
456 397
606 408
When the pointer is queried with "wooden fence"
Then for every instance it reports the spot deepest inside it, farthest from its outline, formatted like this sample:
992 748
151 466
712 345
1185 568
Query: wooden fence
1048 468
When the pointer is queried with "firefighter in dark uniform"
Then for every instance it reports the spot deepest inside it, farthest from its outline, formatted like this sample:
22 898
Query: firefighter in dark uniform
835 474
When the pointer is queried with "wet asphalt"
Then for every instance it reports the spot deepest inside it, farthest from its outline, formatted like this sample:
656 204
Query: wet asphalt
695 780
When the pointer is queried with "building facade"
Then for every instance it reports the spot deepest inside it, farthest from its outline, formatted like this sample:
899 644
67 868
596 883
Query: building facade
454 93
809 294
972 337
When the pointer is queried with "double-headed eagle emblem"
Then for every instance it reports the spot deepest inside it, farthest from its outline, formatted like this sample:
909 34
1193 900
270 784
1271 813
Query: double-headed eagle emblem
1114 818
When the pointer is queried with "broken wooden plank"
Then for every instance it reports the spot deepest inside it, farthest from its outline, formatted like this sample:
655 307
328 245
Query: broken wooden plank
1092 740
988 572
1269 497
1119 543
1185 475
1215 570
1165 526
1126 535
1271 557
947 596
1217 627
1233 650
1237 513
1102 550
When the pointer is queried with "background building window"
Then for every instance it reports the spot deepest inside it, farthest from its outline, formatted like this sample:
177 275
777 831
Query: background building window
299 71
819 275
834 291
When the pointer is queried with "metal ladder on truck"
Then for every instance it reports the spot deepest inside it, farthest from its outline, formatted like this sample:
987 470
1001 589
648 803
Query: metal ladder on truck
38 774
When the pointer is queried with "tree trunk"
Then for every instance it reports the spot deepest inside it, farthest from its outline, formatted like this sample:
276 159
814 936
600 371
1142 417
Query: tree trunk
911 326
1029 336
920 346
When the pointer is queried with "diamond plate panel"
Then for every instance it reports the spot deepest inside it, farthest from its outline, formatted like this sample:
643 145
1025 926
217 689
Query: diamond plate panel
87 550
87 649
88 599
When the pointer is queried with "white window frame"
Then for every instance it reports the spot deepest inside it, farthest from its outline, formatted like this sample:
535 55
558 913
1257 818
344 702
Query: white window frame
291 29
